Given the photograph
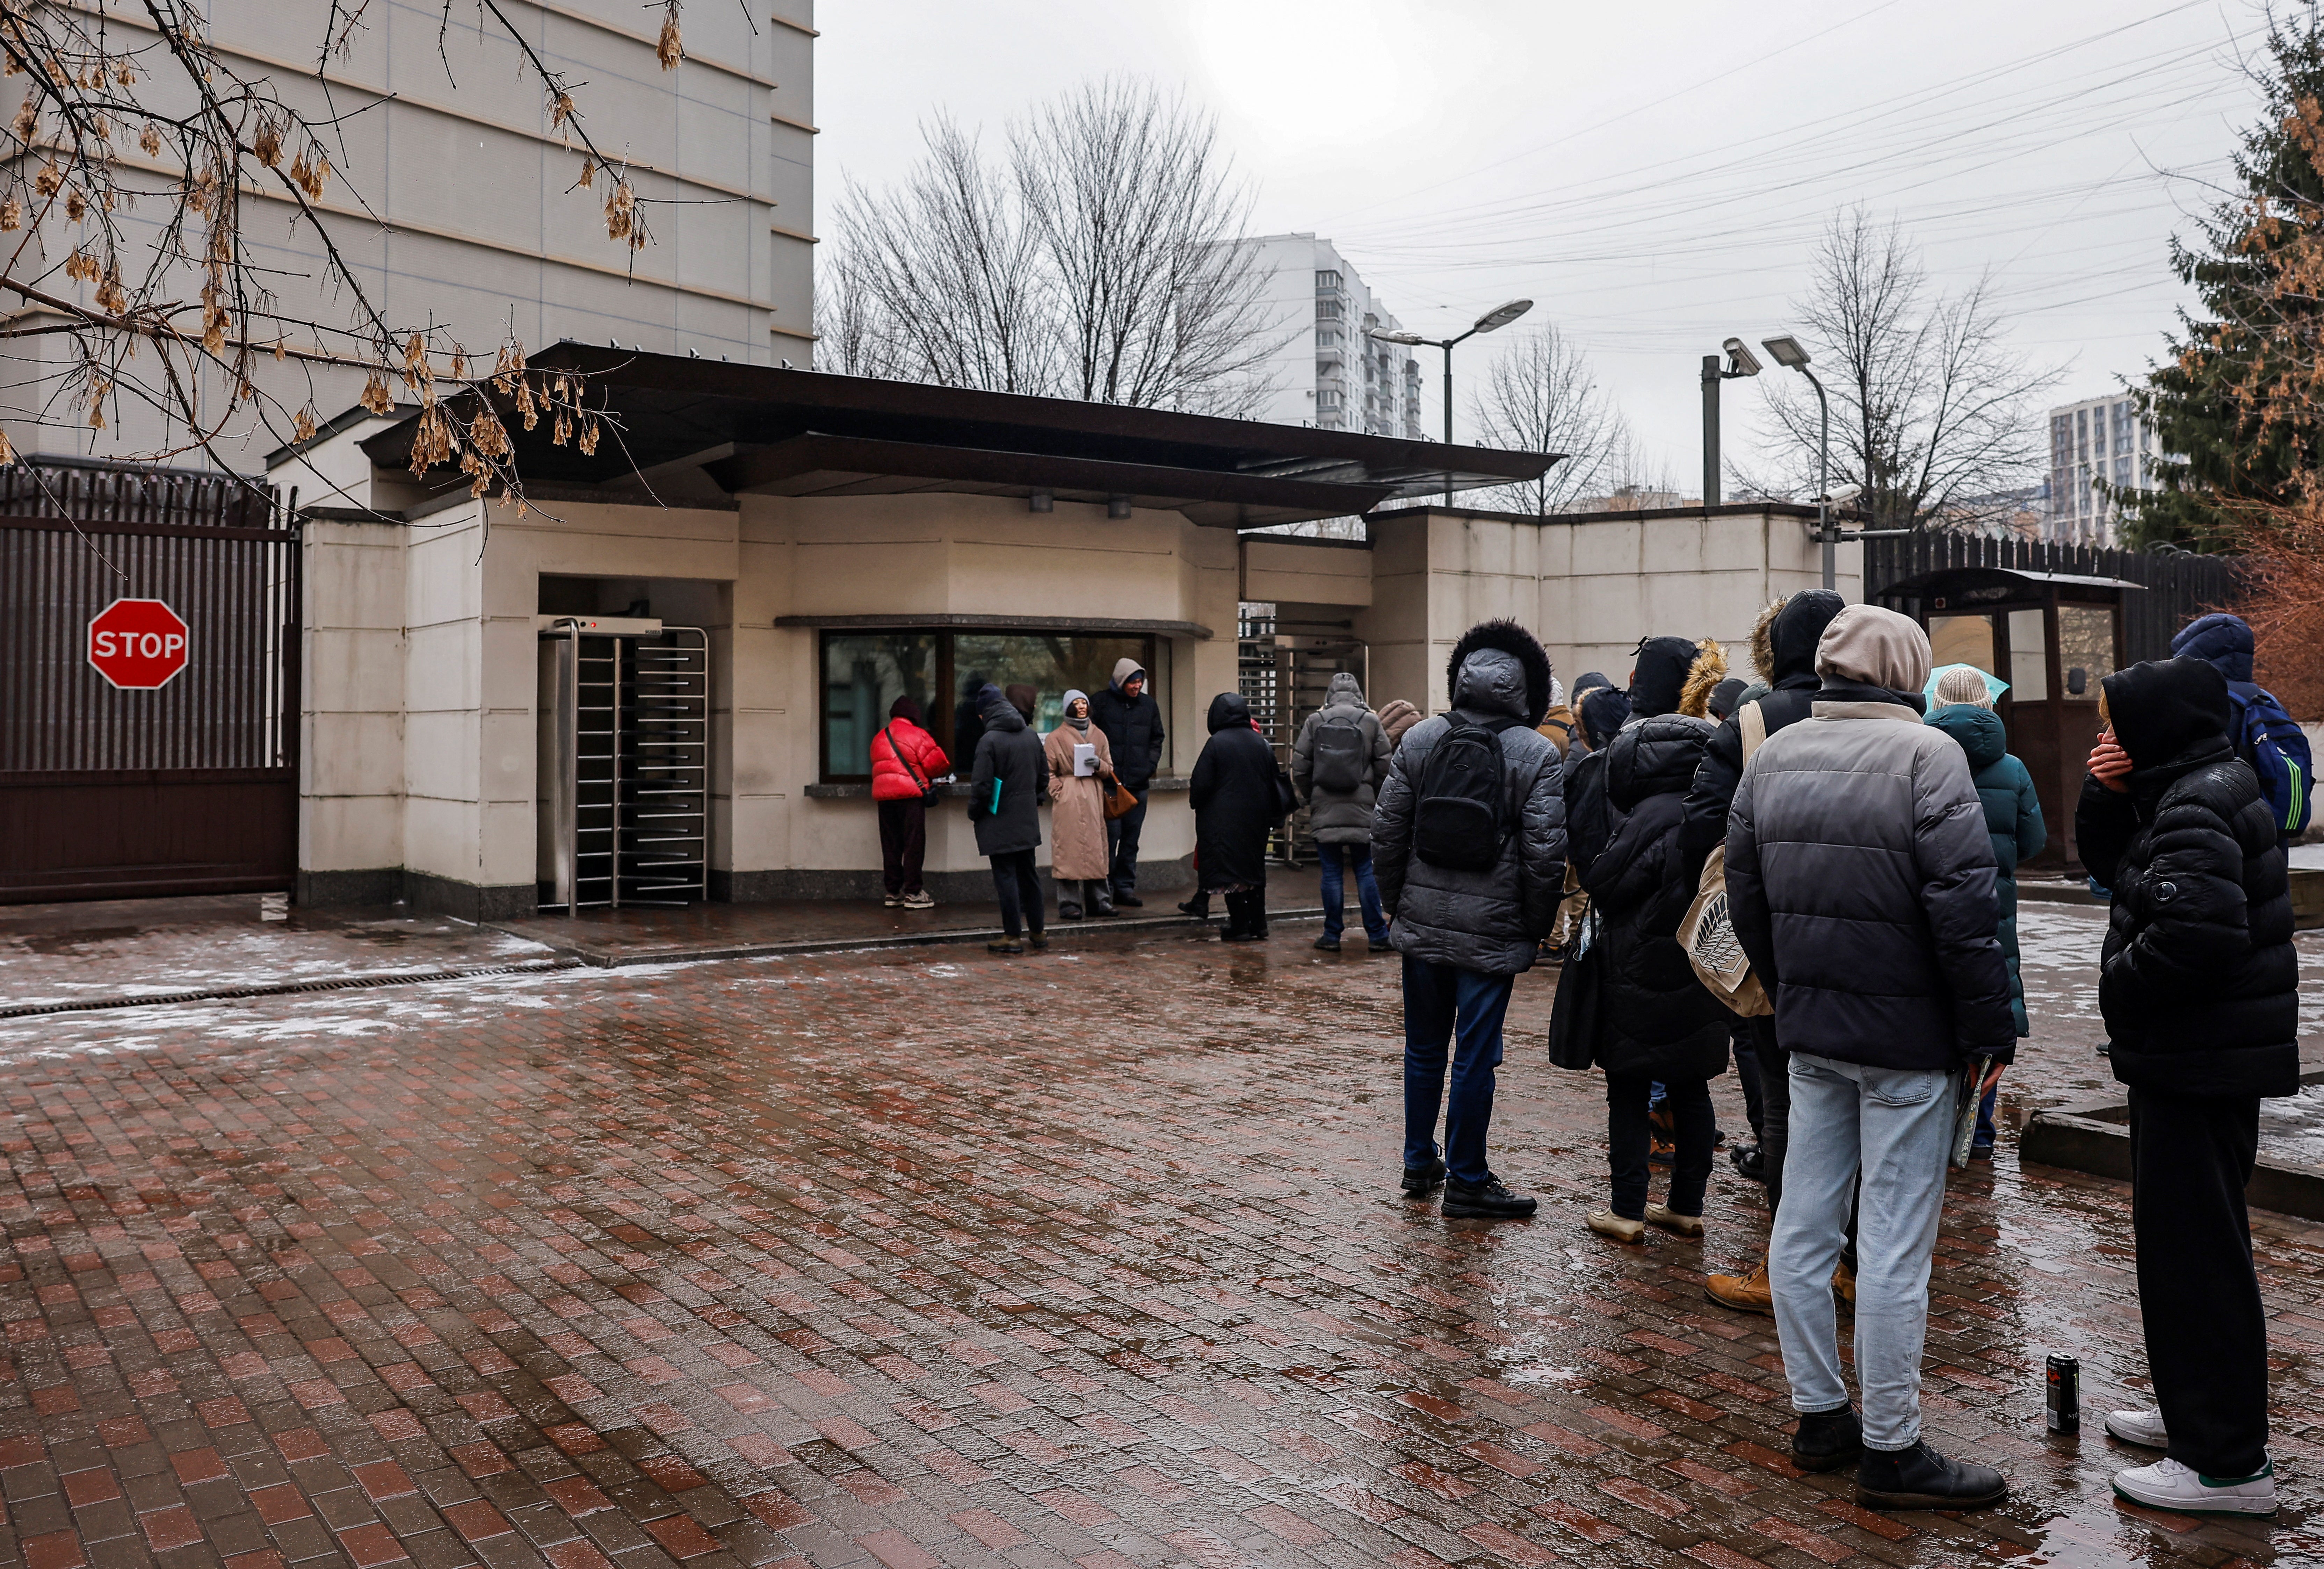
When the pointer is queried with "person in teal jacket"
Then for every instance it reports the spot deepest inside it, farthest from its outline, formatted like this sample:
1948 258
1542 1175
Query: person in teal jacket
2012 818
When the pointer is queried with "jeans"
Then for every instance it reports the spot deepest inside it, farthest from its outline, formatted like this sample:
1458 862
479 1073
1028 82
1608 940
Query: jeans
1334 858
1018 889
903 844
1628 1137
2206 1326
1898 1126
1445 1006
1121 835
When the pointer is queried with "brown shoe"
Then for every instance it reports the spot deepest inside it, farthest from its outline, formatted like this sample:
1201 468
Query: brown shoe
1843 1284
1744 1293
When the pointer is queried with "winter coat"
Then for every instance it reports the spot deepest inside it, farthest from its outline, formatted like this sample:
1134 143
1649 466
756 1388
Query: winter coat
2198 980
1791 641
2012 820
1490 921
1133 727
1235 799
1655 1016
1859 879
1010 751
1340 817
1589 821
1397 718
891 780
1557 726
1077 846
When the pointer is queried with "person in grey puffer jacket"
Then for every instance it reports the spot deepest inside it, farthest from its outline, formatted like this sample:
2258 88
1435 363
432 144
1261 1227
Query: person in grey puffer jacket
1340 785
1860 881
1465 935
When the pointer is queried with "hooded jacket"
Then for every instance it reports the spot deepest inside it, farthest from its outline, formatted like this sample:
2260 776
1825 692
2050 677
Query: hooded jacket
1658 679
2012 821
2198 979
1792 639
1589 820
1657 1017
1859 876
1132 726
1489 921
1010 752
1234 797
1341 816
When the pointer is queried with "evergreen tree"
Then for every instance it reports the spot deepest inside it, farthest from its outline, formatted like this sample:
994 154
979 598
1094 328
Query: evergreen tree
2235 408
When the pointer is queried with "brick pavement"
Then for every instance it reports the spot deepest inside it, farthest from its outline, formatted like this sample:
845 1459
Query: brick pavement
924 1257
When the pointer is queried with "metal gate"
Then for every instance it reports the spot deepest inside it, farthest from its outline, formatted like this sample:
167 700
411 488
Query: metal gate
190 788
625 763
1284 669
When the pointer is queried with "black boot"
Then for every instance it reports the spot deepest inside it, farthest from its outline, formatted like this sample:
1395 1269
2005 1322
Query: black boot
1420 1181
1919 1478
1828 1440
1487 1201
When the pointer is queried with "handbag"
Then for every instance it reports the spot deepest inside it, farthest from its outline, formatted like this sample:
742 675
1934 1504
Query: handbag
1287 800
1573 1015
1708 932
1120 800
927 786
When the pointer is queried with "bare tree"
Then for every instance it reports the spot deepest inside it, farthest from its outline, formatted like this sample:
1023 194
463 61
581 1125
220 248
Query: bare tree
176 313
1106 261
1539 397
1930 405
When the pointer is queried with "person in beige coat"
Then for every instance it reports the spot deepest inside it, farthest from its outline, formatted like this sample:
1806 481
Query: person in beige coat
1080 860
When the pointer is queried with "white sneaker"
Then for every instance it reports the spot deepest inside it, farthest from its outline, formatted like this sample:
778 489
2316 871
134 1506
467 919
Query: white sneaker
2143 1428
2169 1485
919 901
892 900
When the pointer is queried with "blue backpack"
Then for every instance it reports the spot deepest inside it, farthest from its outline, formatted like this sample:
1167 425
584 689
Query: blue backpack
2275 746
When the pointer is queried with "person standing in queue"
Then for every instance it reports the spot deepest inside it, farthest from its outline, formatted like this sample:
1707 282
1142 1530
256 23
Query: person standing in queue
1237 804
905 763
1004 802
1337 766
1131 718
1078 862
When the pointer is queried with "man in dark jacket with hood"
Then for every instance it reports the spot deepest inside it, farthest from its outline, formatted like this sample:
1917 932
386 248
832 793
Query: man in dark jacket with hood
1005 790
1337 765
2198 984
1792 648
1466 931
1131 718
2224 641
1860 881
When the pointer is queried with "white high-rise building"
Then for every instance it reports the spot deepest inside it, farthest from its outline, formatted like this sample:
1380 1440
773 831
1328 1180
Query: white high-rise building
2099 439
1325 372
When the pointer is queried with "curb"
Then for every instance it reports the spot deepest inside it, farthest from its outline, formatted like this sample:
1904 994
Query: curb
285 988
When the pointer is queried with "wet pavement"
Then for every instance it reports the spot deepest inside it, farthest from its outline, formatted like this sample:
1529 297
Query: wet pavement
920 1257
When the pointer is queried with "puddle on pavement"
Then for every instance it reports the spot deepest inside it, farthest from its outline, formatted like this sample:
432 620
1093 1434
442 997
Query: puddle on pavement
67 943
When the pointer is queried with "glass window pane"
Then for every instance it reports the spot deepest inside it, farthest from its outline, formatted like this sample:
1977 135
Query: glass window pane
1962 639
2029 672
2085 643
862 674
1049 663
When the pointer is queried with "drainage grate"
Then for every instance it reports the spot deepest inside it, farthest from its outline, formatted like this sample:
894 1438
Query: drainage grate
285 988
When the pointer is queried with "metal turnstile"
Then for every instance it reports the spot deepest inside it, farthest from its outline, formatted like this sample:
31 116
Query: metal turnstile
624 763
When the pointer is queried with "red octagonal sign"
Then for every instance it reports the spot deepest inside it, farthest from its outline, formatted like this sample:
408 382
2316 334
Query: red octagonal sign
137 643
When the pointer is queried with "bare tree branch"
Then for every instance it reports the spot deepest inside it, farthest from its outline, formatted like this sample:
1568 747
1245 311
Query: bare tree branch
1539 397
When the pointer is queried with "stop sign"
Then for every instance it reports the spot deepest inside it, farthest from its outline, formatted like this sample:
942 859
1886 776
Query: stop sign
137 643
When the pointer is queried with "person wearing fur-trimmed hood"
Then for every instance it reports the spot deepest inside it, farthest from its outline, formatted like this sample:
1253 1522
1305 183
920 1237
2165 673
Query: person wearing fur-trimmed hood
1468 914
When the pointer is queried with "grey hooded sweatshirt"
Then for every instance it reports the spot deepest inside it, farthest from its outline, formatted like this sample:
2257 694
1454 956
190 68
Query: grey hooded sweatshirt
1340 817
1490 921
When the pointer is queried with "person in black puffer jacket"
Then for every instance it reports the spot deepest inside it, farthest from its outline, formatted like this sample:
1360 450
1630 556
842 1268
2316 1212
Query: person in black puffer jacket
1236 807
2198 984
1656 1020
1005 787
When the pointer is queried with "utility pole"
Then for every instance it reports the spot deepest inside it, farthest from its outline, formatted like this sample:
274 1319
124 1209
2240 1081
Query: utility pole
1493 321
1713 372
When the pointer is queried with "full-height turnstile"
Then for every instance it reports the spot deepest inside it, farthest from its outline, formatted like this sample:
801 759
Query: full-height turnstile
625 763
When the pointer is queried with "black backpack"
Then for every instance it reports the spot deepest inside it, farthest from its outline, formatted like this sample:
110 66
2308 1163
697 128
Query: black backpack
1339 760
1463 816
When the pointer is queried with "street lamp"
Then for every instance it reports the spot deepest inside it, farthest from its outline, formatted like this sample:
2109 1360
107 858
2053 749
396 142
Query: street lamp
1739 362
1792 355
1493 321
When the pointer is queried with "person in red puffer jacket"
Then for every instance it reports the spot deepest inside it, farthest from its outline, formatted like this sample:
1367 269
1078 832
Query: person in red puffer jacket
905 759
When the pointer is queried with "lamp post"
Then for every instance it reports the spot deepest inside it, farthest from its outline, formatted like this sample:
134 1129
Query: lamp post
1792 355
1493 321
1739 362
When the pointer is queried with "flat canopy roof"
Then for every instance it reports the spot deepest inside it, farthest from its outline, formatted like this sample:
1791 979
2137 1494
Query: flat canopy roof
1963 579
754 429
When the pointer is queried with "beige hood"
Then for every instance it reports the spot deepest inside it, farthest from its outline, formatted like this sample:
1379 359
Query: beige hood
1874 647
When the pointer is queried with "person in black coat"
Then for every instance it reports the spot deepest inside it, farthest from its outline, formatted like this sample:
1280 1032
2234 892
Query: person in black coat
1237 805
1656 1020
2199 985
1005 789
1131 718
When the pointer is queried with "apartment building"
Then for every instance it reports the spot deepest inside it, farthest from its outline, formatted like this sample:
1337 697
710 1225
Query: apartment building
450 189
2098 439
1325 371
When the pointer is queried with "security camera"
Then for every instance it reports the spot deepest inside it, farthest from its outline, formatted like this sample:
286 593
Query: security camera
1740 360
1843 495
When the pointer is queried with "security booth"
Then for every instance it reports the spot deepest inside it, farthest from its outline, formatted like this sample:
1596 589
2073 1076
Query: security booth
2052 636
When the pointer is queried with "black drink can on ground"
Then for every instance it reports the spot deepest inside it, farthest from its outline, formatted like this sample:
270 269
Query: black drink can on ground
2065 1395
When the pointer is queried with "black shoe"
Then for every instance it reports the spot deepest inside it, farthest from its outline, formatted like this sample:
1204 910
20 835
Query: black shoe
1828 1440
1327 945
1104 909
1199 909
1488 1201
1069 912
1980 1149
1132 900
1920 1478
1420 1181
1749 1160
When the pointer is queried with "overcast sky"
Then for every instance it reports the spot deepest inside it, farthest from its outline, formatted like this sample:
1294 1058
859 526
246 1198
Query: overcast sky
1653 176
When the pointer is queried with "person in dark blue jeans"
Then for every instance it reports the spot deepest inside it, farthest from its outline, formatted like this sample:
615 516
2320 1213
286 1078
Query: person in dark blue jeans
1333 862
1337 764
1467 931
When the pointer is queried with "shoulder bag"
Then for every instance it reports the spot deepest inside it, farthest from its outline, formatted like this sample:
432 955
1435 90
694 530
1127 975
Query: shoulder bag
912 770
1708 932
1573 1014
